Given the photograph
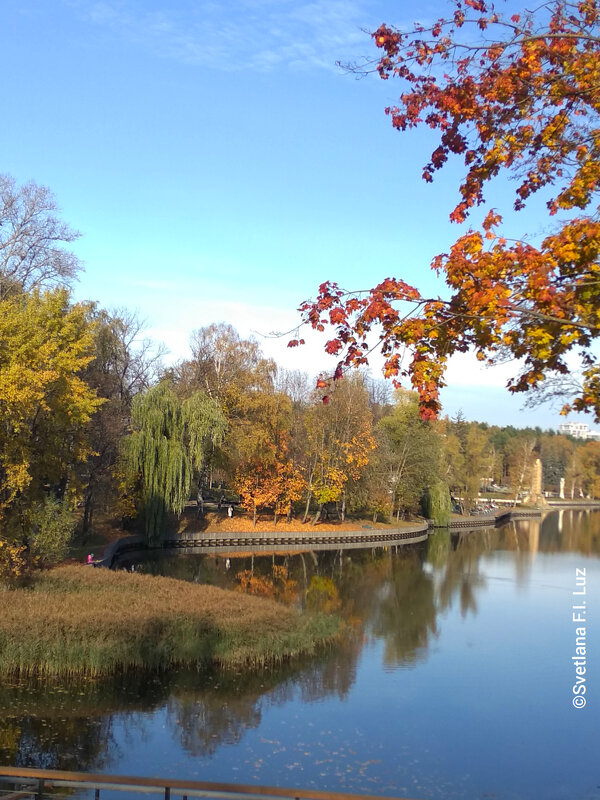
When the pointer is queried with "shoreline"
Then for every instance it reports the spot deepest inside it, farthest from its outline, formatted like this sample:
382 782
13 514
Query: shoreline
216 531
248 541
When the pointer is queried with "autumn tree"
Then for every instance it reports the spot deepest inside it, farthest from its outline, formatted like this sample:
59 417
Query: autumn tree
223 365
295 384
339 441
46 344
234 372
514 96
589 456
124 364
267 474
408 454
33 239
44 403
275 484
582 472
520 455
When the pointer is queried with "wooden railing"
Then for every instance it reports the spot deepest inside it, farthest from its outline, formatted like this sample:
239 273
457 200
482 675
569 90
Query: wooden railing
18 783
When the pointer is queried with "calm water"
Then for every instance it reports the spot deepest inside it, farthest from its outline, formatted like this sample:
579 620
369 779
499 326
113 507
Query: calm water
457 685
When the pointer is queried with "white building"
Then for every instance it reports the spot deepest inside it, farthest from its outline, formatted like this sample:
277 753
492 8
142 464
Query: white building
579 430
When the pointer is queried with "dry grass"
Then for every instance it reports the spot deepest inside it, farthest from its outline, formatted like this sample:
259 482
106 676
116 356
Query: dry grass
82 620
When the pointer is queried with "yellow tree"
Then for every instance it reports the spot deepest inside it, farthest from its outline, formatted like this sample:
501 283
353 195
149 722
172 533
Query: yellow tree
582 476
266 475
520 455
590 457
45 344
339 442
290 488
233 371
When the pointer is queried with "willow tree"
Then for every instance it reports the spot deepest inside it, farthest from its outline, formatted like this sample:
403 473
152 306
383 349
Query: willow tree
437 504
168 447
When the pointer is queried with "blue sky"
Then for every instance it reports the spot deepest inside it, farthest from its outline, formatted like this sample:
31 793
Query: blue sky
220 166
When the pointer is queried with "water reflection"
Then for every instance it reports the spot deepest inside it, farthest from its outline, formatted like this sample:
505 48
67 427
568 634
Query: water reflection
405 616
455 559
207 711
68 725
44 725
395 600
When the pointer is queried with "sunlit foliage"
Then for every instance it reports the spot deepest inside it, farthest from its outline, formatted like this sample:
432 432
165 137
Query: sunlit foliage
45 344
167 447
509 95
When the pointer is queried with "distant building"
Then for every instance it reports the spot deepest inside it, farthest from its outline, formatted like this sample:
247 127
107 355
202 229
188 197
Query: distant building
579 430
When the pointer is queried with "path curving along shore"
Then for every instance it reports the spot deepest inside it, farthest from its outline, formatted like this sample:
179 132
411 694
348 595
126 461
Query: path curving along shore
133 548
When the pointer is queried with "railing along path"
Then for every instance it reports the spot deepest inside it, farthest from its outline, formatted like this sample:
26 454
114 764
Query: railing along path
36 784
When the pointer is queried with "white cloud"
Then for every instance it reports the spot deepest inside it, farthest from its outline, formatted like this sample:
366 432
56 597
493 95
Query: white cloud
261 322
465 370
239 35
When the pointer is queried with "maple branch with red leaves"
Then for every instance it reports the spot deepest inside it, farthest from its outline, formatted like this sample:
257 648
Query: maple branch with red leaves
523 103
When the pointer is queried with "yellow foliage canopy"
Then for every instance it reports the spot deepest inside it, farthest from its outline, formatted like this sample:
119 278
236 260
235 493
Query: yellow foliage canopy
44 404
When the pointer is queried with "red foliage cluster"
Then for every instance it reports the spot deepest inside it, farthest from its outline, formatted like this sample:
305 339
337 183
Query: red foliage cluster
523 101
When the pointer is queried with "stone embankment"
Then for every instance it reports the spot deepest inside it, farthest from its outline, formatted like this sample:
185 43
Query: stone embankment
133 548
490 520
581 505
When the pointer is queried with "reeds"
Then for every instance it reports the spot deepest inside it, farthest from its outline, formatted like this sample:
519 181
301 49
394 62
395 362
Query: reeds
82 621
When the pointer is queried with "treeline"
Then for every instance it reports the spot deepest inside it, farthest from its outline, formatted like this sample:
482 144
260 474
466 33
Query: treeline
91 420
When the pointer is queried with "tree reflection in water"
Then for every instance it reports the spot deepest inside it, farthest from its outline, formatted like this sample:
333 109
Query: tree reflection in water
42 727
457 568
205 711
389 594
406 616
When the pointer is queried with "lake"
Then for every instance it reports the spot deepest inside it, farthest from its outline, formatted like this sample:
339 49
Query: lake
456 683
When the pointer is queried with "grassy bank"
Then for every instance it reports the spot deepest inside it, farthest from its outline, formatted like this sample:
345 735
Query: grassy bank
80 620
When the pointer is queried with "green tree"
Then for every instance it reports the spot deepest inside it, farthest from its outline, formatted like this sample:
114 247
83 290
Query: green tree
408 453
49 528
436 504
167 447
